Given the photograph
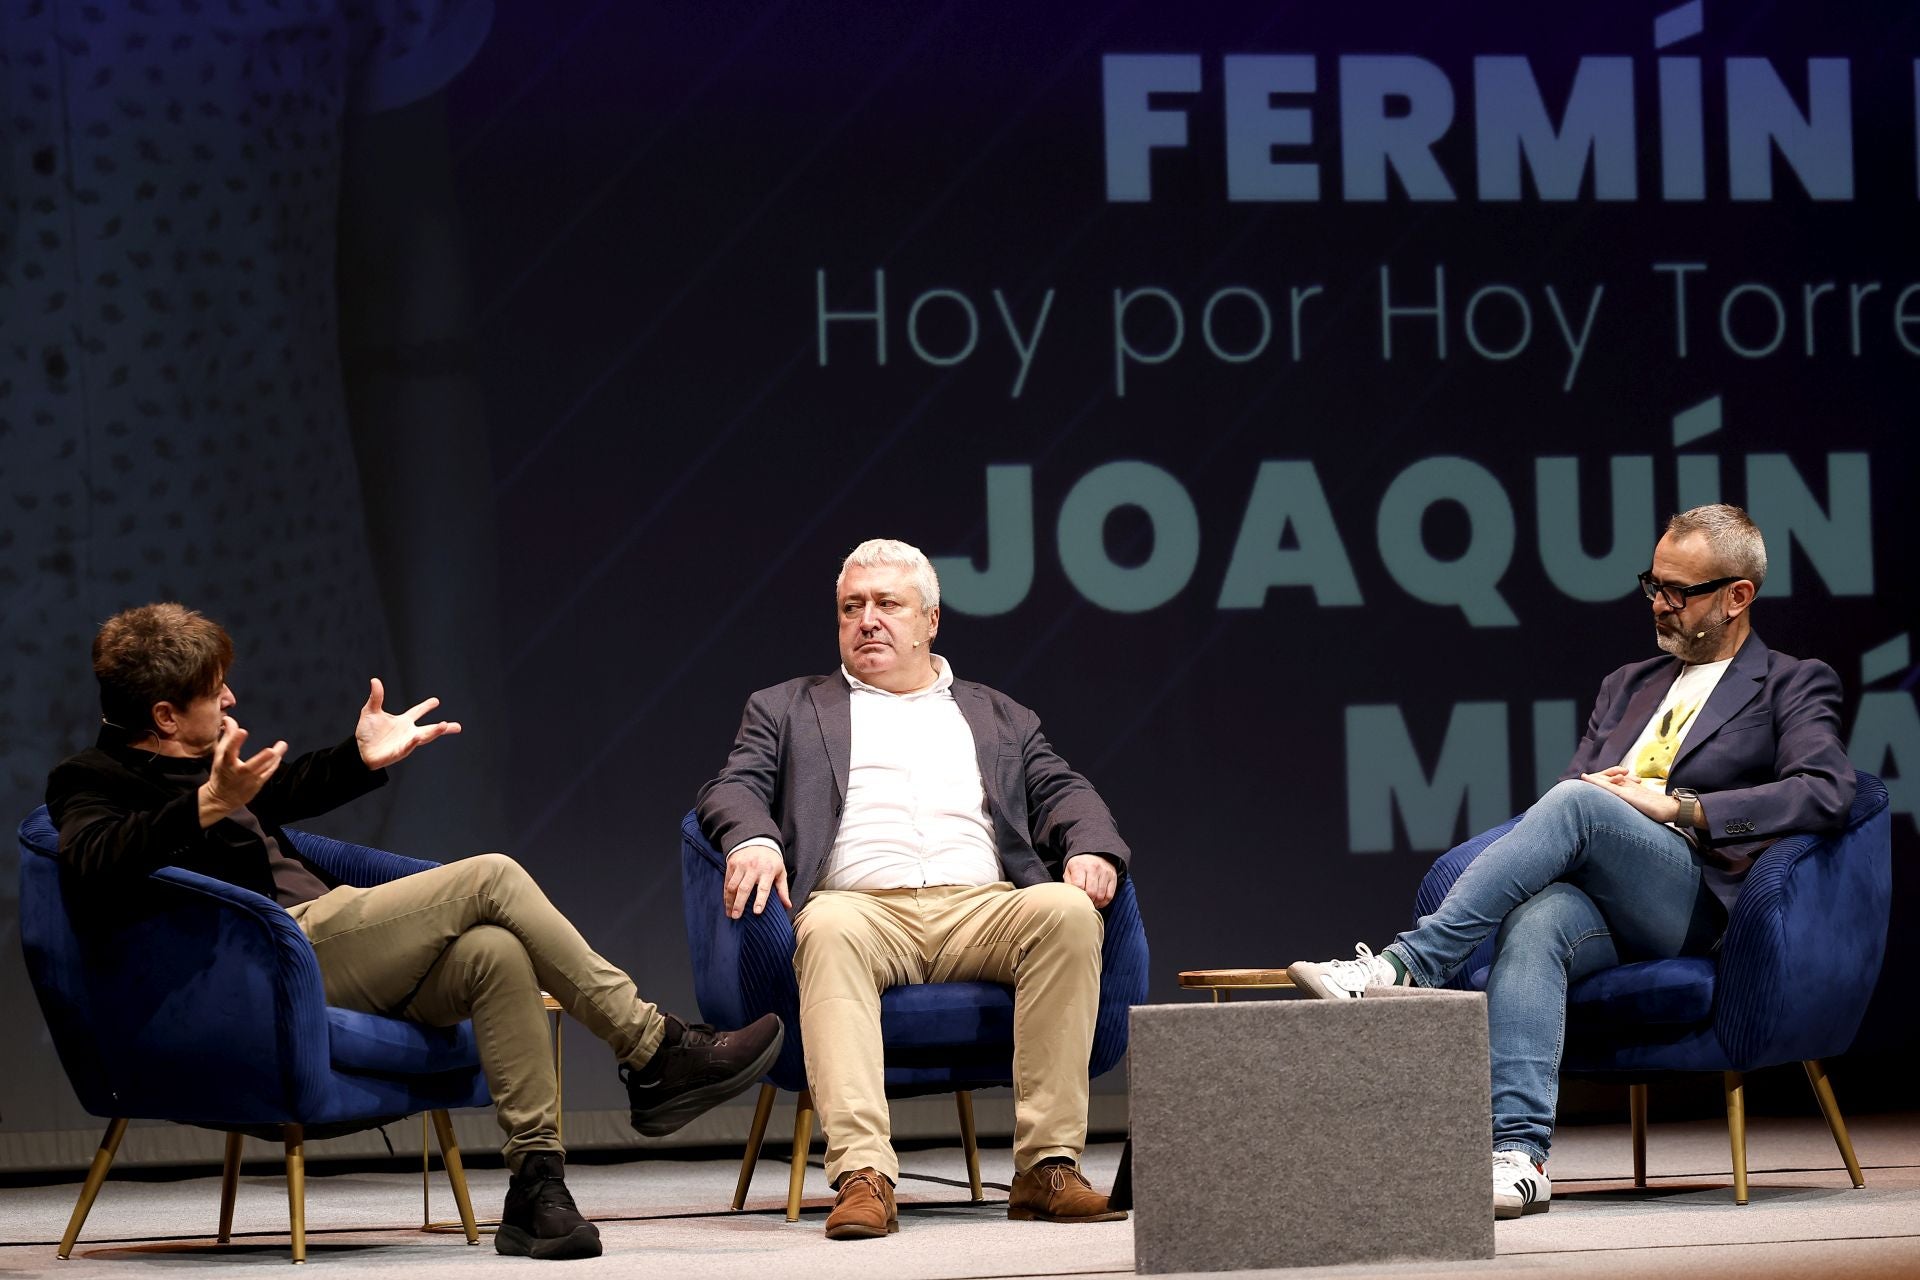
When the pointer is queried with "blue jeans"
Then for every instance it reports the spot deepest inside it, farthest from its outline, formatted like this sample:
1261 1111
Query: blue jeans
1583 882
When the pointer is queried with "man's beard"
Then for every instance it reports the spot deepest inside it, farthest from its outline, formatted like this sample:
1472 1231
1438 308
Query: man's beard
1695 645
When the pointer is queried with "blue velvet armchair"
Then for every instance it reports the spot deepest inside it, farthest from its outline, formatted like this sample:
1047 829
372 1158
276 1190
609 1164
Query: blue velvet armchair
1790 982
201 1002
950 1037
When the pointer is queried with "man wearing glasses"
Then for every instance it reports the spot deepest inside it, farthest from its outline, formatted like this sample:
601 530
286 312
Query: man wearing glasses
1690 766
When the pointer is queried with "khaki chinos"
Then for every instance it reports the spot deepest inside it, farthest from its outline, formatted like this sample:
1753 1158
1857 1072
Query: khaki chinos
478 939
850 945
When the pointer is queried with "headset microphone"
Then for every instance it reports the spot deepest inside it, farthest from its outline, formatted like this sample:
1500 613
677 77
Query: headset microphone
1702 635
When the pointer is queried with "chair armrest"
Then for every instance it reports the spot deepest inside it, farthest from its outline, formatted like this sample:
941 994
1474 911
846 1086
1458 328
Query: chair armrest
768 983
741 968
355 864
210 1005
1806 939
1123 978
713 944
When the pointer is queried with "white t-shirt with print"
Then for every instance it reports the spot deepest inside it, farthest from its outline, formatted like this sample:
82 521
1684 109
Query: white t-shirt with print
1651 757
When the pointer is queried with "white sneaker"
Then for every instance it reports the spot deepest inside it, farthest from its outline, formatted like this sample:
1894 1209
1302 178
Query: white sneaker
1343 979
1519 1185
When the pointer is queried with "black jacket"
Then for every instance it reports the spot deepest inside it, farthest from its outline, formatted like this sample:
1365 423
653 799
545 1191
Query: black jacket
120 817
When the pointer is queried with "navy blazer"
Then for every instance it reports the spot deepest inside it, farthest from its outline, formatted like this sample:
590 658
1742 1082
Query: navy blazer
1764 752
786 780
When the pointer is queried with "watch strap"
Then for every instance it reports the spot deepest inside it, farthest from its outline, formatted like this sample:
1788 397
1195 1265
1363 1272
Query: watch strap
1689 806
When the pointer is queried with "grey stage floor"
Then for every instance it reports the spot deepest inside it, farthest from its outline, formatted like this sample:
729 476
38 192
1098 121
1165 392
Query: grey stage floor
667 1218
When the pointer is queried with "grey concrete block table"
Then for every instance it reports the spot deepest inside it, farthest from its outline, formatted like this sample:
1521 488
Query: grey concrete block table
1299 1133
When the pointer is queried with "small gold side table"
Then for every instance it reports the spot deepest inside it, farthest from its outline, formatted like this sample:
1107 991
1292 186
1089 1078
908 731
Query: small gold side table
427 1222
1224 982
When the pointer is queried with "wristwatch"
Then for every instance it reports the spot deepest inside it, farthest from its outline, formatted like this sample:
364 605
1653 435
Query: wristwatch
1689 805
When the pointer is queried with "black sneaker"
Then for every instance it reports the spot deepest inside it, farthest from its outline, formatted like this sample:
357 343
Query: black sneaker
697 1068
540 1219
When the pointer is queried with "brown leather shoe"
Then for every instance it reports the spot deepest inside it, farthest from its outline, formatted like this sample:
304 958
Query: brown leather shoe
1056 1191
865 1209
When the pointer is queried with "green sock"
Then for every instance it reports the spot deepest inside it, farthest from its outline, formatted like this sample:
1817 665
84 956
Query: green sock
1400 978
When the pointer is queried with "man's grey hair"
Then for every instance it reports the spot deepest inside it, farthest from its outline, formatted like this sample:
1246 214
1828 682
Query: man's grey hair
878 551
1731 535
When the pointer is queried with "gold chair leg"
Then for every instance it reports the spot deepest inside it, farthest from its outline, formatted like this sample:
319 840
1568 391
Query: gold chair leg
1637 1112
295 1137
229 1184
559 1078
762 1111
802 1141
963 1100
456 1174
1735 1085
426 1174
1830 1108
96 1174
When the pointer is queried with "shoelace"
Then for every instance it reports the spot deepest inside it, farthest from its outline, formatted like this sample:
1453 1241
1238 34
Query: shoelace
1356 973
693 1035
553 1193
1058 1175
697 1035
872 1180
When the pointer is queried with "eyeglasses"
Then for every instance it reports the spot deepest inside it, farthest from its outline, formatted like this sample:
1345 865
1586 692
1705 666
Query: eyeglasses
1677 597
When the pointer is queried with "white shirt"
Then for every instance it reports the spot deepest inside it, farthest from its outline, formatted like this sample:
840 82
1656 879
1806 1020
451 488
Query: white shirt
916 812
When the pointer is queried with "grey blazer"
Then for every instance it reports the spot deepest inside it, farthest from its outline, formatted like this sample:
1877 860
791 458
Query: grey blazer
786 779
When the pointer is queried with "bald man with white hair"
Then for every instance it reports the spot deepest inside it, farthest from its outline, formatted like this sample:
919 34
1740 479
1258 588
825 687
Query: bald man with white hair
927 832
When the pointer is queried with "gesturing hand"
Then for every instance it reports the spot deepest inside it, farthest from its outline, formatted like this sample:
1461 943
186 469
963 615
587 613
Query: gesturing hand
233 781
1094 874
753 872
385 738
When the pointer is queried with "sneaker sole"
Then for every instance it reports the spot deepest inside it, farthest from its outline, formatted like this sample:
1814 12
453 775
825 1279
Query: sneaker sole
1306 978
1503 1212
674 1115
1034 1215
582 1242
